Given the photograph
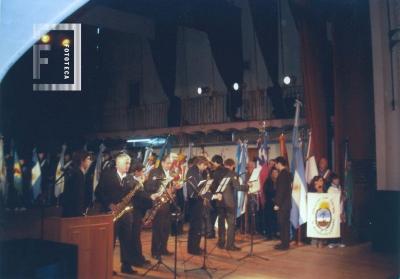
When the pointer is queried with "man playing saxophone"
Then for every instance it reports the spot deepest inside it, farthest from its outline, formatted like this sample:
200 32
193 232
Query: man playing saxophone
114 186
160 182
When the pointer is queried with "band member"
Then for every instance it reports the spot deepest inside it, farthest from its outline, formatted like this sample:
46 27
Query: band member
283 202
142 202
74 202
218 172
161 224
226 207
107 161
114 185
194 178
270 214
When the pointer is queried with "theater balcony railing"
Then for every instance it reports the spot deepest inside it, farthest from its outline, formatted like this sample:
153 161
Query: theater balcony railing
209 109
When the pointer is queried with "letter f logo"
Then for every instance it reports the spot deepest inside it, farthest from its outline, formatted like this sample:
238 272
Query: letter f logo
37 60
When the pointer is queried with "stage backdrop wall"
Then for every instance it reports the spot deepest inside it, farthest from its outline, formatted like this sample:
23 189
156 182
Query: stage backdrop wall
387 102
229 151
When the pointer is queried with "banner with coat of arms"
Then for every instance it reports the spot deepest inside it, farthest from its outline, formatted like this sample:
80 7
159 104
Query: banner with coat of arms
323 218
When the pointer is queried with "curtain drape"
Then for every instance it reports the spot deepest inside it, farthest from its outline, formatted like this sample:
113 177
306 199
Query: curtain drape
311 26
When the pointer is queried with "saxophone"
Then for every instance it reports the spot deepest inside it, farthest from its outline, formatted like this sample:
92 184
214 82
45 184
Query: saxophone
164 198
151 213
123 206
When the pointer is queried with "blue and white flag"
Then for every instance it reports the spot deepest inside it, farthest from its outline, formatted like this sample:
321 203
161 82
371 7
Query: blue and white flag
298 214
3 172
97 170
36 178
59 185
165 150
242 158
147 154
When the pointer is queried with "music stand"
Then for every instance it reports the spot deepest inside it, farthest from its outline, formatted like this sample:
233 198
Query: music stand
252 227
204 264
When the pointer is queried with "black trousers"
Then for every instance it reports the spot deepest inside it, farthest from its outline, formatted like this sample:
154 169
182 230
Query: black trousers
228 214
195 224
123 230
136 232
271 226
213 211
160 230
284 226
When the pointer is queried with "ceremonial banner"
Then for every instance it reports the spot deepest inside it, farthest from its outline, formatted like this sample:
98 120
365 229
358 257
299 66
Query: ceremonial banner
323 215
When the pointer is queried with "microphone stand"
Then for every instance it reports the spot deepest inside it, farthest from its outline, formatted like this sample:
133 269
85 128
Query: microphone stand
176 220
204 265
252 227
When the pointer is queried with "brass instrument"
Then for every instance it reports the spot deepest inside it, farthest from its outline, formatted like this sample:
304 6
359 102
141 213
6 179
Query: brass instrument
123 206
164 198
151 213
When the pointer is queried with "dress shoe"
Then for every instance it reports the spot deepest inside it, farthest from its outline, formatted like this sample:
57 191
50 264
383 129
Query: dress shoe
234 248
281 247
221 245
144 263
127 269
167 253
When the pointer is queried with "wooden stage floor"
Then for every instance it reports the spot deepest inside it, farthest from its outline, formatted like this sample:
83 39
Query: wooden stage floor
299 262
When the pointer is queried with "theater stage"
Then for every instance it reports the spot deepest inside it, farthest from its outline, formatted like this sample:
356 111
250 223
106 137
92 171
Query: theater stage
357 261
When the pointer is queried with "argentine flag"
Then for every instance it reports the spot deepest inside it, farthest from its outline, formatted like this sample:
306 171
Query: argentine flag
59 187
298 214
36 180
241 156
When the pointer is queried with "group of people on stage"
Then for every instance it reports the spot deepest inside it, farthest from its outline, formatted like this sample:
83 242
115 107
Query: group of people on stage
206 189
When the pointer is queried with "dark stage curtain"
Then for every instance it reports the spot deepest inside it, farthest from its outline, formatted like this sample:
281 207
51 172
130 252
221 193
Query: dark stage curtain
223 26
265 21
311 25
163 48
222 23
354 107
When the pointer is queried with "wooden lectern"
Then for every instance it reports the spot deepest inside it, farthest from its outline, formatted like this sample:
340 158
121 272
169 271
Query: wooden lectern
94 236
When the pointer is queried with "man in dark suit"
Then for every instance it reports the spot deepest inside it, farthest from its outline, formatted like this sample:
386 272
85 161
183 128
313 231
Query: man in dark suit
161 223
218 172
283 201
196 209
73 198
114 185
142 202
226 207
